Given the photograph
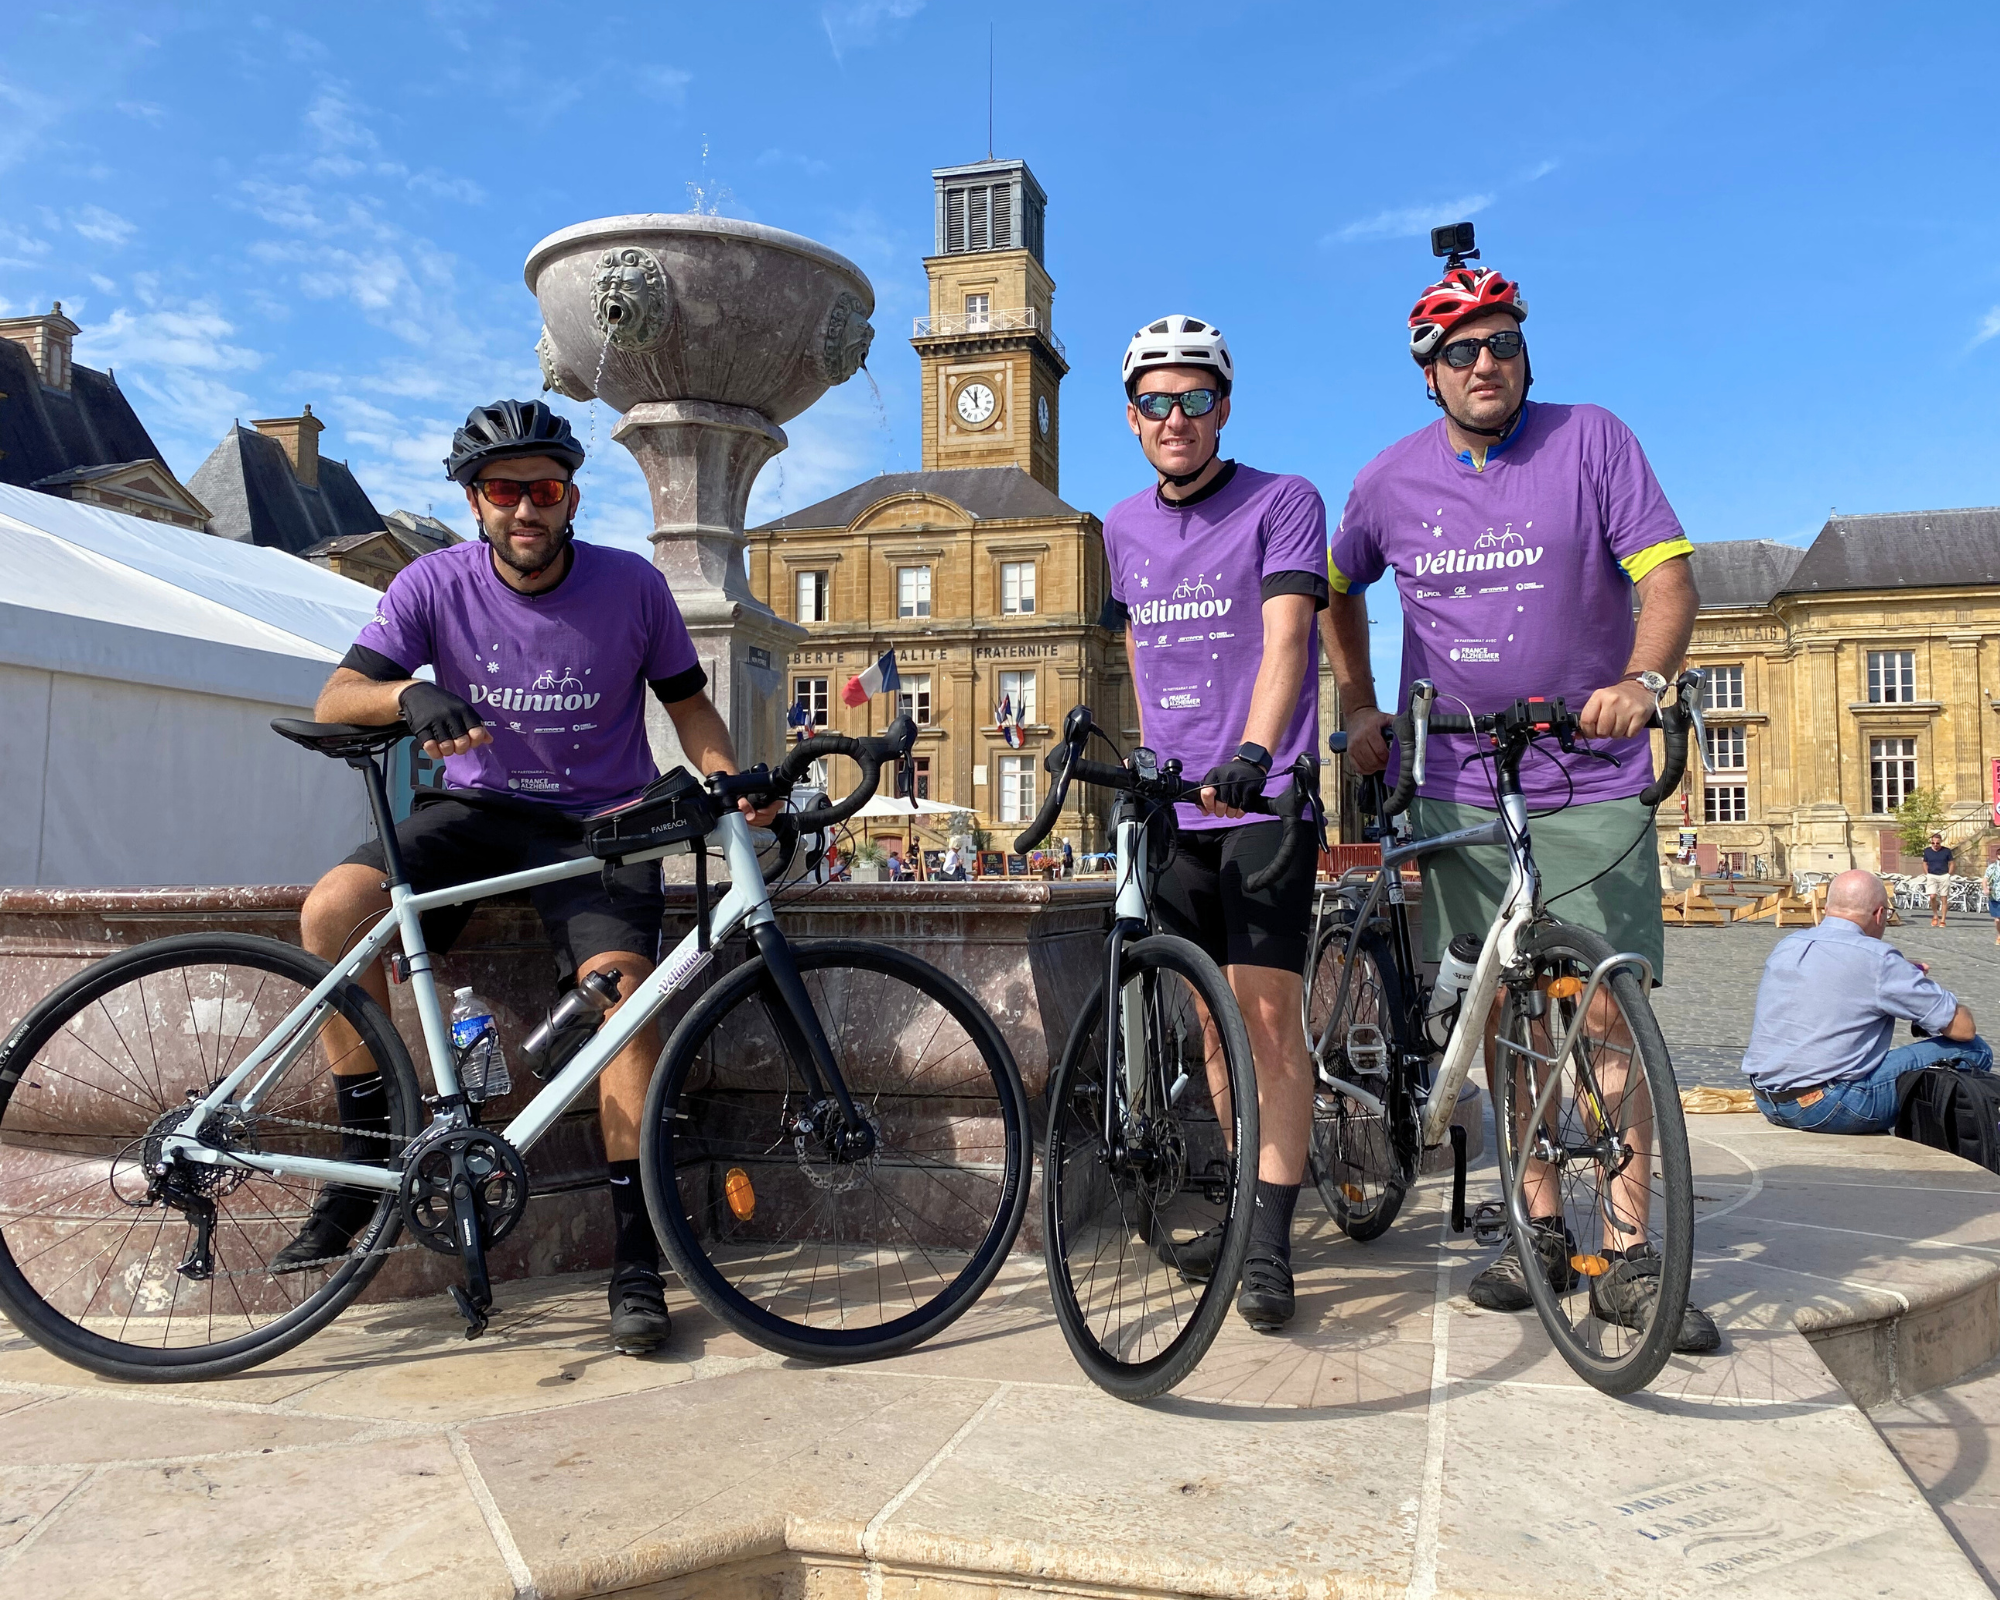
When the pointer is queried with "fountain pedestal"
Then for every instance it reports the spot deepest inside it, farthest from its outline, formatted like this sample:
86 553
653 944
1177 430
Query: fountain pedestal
700 459
707 333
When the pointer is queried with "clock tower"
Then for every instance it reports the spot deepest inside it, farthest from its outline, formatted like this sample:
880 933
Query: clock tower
992 364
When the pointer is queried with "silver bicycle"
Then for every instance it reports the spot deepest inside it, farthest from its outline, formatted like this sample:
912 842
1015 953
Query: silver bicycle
834 1148
1592 1148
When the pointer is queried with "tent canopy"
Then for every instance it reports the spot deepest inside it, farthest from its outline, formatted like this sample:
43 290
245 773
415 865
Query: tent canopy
882 805
142 665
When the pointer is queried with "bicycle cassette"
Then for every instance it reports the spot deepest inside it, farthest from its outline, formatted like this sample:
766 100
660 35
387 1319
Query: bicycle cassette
490 1167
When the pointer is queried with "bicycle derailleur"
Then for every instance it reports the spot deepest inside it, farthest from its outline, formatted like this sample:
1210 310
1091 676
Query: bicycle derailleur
464 1190
189 1187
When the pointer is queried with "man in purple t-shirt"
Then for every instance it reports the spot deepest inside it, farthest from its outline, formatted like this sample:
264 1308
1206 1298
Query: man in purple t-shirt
1217 576
1517 533
543 650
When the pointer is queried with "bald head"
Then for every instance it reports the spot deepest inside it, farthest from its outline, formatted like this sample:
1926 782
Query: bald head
1858 897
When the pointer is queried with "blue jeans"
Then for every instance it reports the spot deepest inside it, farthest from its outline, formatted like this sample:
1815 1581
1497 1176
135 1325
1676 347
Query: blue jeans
1868 1104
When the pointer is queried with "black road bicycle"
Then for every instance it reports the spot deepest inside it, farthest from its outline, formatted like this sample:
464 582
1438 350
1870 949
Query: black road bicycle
1150 1166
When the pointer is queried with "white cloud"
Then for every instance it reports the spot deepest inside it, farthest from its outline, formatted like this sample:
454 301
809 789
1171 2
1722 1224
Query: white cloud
144 109
441 186
104 284
1540 170
809 165
194 336
24 114
106 227
338 123
666 83
855 21
1408 221
1989 325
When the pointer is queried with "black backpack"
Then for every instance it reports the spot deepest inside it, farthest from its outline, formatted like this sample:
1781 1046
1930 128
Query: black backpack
1952 1109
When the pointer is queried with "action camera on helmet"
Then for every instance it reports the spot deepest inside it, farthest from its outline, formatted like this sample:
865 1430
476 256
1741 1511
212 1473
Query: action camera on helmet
1454 241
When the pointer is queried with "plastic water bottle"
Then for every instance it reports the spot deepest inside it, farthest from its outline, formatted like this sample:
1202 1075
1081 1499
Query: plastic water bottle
475 1039
1454 973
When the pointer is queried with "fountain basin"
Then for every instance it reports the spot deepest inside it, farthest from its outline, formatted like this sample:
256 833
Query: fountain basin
680 306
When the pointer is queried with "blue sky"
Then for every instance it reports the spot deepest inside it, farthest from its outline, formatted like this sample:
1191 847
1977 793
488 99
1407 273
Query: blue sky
1764 235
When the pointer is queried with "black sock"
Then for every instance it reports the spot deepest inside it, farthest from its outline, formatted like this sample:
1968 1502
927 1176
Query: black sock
362 1103
1271 1220
633 1244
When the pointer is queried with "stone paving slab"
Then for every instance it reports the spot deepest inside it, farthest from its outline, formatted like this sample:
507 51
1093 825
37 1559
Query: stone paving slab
1399 1442
1945 1440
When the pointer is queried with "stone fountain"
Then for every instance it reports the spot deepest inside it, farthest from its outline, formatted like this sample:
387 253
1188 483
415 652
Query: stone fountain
707 334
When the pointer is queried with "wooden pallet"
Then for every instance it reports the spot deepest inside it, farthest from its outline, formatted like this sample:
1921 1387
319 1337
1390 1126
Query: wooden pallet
1692 909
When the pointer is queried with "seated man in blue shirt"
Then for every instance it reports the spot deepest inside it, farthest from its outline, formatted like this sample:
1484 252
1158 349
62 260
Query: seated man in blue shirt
1819 1057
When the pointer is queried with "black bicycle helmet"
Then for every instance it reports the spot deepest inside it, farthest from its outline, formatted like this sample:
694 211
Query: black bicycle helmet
510 428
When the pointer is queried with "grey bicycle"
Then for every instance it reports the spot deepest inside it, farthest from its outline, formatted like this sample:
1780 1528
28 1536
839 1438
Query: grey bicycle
1592 1149
834 1149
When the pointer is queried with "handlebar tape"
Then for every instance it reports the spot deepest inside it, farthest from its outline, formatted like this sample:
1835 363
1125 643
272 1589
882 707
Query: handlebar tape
1290 807
1675 723
867 753
1405 730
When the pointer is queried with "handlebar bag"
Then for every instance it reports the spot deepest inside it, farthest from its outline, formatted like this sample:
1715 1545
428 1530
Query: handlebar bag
672 809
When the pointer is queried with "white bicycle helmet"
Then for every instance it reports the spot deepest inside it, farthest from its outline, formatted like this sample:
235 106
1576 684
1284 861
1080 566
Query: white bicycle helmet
1177 342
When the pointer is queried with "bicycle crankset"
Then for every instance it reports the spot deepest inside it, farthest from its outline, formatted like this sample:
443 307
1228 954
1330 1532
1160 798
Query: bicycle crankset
496 1188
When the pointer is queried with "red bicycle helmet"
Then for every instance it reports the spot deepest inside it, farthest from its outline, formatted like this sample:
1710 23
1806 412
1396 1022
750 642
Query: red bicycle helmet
1463 292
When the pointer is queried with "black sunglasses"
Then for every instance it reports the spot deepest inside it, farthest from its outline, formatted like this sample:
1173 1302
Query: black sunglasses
1194 402
1505 346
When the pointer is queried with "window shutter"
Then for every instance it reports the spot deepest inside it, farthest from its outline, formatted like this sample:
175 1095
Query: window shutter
1003 223
976 230
954 221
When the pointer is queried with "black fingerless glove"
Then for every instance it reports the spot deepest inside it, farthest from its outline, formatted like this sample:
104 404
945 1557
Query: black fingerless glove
1237 782
436 714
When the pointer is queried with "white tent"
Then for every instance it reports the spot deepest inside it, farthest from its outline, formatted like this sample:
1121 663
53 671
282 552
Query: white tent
141 666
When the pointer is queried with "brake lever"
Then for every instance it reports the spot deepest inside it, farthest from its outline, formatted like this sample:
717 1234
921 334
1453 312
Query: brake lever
1688 699
1423 693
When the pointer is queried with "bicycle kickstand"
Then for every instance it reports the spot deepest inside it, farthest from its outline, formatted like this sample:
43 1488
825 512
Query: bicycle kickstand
475 1300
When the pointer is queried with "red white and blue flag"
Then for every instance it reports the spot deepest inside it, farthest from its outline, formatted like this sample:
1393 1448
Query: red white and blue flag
878 679
1009 721
799 718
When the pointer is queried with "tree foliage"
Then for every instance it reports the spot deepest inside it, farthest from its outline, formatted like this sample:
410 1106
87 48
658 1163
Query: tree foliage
1922 813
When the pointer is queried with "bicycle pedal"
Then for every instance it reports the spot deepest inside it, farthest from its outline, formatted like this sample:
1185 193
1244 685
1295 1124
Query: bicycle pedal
1489 1223
475 1315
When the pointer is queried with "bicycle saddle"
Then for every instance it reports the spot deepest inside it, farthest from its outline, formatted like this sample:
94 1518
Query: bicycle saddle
340 738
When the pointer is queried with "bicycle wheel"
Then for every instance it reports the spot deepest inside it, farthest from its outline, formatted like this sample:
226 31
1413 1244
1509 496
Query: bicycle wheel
1610 1159
94 1250
1127 1218
1363 1153
812 1253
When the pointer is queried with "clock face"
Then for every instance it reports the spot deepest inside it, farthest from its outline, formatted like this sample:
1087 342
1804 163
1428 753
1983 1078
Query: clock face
975 404
1042 413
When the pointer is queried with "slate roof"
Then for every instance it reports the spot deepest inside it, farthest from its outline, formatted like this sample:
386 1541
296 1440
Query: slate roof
44 432
1901 550
989 493
1743 572
248 484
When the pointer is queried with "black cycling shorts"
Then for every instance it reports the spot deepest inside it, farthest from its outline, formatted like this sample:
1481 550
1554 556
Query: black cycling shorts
1201 896
446 841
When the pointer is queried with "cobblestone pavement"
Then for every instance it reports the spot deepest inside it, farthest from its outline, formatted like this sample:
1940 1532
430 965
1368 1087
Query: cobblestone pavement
1710 995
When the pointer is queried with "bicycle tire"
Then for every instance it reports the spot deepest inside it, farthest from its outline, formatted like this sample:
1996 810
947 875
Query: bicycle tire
1363 1161
1088 1200
1601 1350
726 1100
89 1101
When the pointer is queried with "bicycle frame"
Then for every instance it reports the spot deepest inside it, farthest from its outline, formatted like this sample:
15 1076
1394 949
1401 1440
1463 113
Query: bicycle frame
747 904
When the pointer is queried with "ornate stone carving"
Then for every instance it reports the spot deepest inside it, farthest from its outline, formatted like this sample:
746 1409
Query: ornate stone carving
554 375
632 297
844 339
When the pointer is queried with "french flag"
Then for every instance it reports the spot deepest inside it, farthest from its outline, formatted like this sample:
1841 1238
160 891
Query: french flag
878 679
1010 724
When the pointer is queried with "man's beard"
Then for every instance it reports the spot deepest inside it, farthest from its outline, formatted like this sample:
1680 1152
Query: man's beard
561 537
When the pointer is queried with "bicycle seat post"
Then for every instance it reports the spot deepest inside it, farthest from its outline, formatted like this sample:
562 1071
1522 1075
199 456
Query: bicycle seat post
372 774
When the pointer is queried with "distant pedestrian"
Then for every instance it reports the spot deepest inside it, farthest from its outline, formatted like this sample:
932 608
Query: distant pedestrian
1992 882
1937 877
1819 1057
1069 860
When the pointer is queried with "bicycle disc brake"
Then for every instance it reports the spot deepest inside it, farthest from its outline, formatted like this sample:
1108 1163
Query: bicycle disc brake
497 1187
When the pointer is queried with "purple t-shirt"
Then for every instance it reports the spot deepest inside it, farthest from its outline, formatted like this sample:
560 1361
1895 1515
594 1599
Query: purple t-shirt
560 676
1193 582
1515 582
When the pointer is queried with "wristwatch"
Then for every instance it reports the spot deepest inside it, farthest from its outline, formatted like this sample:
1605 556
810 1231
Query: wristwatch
1254 753
1651 682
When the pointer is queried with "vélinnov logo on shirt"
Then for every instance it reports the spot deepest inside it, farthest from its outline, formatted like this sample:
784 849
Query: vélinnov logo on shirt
1489 551
547 693
1191 599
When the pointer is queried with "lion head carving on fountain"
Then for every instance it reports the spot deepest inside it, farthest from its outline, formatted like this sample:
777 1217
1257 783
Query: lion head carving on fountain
633 299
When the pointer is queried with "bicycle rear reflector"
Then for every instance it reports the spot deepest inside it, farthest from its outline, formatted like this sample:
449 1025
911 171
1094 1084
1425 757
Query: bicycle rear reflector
737 1190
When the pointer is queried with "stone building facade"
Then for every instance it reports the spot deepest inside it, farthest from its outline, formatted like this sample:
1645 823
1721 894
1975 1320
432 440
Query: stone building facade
1842 677
986 584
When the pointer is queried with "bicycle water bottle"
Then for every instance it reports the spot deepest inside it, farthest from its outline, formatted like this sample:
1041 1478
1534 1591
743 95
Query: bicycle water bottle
1454 973
475 1040
569 1027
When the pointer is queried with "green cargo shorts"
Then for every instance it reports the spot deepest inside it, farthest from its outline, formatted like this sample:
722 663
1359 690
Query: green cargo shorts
1462 888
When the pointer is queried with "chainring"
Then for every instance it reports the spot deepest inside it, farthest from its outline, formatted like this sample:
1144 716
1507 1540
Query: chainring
495 1171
